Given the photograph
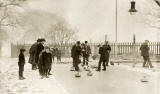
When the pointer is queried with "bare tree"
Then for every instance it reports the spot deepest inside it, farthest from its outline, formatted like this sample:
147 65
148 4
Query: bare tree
8 13
152 17
61 32
38 23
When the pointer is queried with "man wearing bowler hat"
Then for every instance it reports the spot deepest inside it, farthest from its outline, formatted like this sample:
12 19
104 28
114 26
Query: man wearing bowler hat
39 49
32 52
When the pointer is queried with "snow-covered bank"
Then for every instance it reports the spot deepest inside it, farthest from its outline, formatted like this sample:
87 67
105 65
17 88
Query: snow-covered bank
9 83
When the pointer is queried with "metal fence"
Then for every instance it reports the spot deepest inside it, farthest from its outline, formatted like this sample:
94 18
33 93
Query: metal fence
117 49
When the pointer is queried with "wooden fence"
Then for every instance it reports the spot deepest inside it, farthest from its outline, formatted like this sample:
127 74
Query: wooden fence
117 49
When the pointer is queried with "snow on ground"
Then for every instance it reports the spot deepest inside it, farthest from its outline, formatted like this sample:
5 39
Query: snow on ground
9 83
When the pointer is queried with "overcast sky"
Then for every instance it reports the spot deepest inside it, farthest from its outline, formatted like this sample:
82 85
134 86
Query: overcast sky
95 18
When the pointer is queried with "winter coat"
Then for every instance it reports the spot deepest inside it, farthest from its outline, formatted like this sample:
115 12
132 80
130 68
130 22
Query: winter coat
45 60
86 51
32 51
73 50
21 60
76 51
39 49
144 50
104 51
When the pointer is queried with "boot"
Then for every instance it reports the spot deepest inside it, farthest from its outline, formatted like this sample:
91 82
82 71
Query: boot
42 77
49 74
21 78
98 69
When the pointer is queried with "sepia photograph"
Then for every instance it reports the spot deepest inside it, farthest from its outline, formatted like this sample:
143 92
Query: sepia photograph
79 46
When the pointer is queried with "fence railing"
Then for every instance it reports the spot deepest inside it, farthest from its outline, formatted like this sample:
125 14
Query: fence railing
127 48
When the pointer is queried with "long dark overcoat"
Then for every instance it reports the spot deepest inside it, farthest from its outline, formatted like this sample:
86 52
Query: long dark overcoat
32 51
45 60
144 50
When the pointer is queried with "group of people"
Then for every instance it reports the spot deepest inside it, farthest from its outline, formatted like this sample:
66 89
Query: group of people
56 53
78 50
41 57
83 50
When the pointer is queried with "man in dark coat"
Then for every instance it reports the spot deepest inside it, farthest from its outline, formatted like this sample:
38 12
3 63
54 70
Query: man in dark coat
21 63
103 51
32 52
39 49
45 62
76 52
86 51
72 54
145 53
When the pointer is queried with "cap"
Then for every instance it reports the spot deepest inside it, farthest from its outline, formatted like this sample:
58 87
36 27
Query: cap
86 41
78 42
42 39
22 49
38 40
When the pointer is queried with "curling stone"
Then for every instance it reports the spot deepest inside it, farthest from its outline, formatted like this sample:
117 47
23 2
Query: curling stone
87 69
72 69
111 62
84 66
89 73
144 79
77 74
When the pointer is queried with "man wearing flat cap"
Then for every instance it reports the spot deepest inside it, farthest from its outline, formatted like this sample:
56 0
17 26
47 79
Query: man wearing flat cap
86 53
21 62
75 54
145 54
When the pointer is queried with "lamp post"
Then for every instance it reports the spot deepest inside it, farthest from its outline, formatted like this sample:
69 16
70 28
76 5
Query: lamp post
116 22
132 11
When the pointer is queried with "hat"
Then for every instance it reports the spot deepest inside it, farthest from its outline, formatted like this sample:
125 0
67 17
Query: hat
98 45
146 40
82 44
38 40
78 42
86 42
42 39
22 50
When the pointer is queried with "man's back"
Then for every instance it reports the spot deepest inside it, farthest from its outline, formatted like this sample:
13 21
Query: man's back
144 49
33 48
